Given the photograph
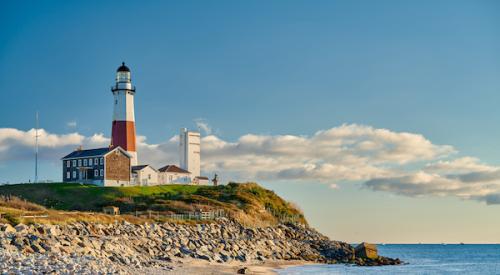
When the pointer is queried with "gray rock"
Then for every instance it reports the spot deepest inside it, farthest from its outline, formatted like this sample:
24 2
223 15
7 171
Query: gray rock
21 228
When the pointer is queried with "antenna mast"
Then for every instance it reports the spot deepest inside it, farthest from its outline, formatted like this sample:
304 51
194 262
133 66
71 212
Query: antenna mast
36 149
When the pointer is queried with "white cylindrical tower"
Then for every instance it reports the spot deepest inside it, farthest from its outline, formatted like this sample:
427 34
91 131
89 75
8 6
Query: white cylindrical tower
189 149
123 130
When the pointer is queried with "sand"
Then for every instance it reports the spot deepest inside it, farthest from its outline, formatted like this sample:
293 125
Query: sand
194 266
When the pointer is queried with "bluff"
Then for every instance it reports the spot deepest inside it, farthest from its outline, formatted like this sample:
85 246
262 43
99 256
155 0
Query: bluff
260 226
248 203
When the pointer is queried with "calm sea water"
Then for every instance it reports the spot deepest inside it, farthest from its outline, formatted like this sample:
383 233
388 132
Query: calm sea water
422 259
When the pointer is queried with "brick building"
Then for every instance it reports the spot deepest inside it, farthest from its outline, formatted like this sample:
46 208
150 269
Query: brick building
101 166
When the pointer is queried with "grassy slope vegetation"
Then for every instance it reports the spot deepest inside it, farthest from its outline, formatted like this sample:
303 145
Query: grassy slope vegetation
249 203
14 210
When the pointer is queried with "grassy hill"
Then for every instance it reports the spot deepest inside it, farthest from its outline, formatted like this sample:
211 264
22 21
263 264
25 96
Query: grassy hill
248 202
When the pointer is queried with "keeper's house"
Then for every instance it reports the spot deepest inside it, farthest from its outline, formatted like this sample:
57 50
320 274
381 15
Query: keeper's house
102 166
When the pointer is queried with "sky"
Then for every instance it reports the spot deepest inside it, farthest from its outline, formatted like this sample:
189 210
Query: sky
379 119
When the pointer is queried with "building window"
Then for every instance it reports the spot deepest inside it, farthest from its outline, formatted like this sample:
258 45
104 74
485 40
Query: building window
96 173
90 162
74 174
96 161
85 162
68 163
68 175
79 163
101 172
149 176
101 161
74 163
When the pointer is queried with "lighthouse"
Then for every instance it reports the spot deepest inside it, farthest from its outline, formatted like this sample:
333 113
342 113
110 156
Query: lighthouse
123 129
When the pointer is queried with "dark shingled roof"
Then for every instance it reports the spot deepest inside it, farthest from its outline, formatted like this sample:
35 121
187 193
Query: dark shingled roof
123 68
88 153
174 169
138 167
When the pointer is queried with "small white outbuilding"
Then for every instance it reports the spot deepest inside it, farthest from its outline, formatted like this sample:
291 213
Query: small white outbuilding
171 174
144 175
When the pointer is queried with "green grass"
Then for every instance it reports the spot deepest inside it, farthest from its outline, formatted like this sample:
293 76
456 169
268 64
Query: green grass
248 202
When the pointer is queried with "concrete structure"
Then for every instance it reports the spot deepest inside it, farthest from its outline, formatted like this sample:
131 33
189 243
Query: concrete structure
103 166
171 174
190 150
144 175
111 210
366 250
123 129
200 180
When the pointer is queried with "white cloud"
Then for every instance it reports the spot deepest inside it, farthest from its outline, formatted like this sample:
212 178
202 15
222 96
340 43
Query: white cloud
348 152
397 162
18 145
466 178
203 126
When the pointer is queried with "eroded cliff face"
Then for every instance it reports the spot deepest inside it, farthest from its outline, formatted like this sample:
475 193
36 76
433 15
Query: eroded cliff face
156 245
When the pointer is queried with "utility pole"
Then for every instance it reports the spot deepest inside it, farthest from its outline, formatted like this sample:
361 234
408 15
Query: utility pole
36 148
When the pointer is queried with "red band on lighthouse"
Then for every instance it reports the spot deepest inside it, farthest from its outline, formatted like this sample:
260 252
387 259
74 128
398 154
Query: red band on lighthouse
123 135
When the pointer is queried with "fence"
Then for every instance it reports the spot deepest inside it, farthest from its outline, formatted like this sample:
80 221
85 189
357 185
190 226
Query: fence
196 215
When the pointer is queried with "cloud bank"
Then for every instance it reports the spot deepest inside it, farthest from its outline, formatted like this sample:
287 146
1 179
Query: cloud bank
382 160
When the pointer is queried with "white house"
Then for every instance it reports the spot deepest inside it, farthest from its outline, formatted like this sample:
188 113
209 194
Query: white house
171 174
144 175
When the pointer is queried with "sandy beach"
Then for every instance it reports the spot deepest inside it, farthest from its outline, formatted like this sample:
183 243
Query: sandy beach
194 266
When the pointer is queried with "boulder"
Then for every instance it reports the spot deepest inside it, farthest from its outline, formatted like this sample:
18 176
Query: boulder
366 250
7 228
243 270
21 228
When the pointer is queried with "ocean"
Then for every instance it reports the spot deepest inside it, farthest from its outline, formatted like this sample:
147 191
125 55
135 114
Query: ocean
421 259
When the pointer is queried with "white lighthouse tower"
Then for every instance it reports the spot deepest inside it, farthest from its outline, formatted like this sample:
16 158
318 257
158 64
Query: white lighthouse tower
189 145
123 130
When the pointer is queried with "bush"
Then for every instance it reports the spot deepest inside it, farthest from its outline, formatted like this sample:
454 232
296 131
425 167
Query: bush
15 202
11 218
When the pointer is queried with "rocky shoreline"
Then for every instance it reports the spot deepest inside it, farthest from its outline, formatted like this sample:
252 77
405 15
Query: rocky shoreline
129 248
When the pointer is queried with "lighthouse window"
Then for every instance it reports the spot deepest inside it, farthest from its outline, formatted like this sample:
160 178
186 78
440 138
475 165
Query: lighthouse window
123 76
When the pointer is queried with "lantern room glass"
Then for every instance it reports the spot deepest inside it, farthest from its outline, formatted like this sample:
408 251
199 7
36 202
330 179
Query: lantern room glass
123 77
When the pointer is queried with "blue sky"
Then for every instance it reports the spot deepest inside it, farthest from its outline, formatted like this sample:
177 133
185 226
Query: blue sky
270 68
